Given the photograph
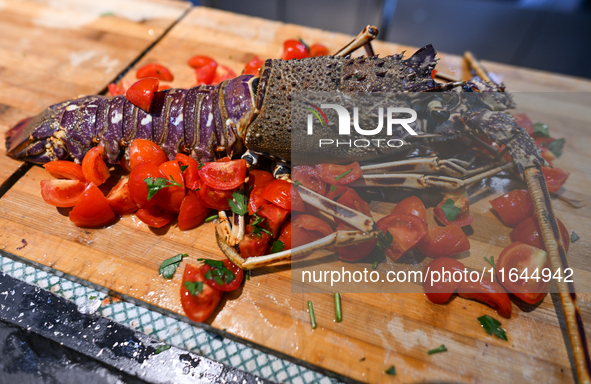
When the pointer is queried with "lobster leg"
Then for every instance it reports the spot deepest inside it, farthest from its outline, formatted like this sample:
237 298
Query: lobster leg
362 40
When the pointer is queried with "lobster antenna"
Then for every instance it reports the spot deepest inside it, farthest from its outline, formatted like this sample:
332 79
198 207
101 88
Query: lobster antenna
474 64
363 39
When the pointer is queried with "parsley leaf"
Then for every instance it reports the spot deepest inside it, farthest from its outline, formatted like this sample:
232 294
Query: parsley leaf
183 167
158 183
391 371
541 130
333 188
491 261
295 182
556 147
384 239
161 348
439 349
277 246
211 218
574 237
492 326
218 272
343 174
200 165
238 204
450 210
194 287
169 266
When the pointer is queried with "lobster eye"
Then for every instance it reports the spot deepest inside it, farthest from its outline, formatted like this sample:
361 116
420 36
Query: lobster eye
439 115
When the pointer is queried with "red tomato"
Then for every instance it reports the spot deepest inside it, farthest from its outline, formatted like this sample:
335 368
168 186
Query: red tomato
412 206
355 252
529 232
138 190
487 292
192 212
172 197
119 198
258 178
284 195
555 178
154 70
331 172
336 191
352 200
294 49
256 200
92 210
226 287
62 193
306 228
513 207
441 290
62 169
275 216
285 236
524 257
318 50
124 164
145 151
309 178
202 305
224 175
142 91
461 201
406 230
524 122
155 216
214 198
206 73
191 173
253 67
199 61
253 245
444 241
223 73
116 89
93 166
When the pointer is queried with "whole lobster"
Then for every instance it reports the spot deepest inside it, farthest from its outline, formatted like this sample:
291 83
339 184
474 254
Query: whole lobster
209 122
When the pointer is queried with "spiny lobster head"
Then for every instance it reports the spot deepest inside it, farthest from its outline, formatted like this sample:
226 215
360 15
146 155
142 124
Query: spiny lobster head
492 95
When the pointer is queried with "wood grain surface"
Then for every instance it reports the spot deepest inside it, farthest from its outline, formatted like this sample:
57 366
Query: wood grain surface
378 330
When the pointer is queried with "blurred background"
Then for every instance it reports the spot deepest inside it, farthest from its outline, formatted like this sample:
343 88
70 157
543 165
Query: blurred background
551 35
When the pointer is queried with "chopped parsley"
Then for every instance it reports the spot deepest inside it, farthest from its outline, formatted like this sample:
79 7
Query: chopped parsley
492 326
450 210
239 204
169 266
218 272
200 165
158 183
194 287
541 130
296 182
439 349
556 147
183 167
574 237
391 371
343 174
333 188
384 239
161 348
277 246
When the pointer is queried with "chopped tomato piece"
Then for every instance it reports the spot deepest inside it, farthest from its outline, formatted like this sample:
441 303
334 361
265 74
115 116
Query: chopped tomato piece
258 178
513 207
440 289
460 201
339 174
284 195
93 166
199 61
192 212
191 172
444 241
335 191
253 67
524 122
411 205
256 200
285 236
145 151
142 91
309 178
62 193
200 306
138 189
318 50
294 49
214 198
555 178
172 196
119 198
223 73
525 259
224 175
529 232
206 73
62 169
92 210
275 216
406 230
254 245
154 216
116 89
154 70
209 274
488 292
355 252
306 228
352 200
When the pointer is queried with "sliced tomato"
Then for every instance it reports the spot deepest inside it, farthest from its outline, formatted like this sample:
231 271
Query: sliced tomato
223 73
513 207
275 217
172 196
119 198
411 205
258 178
92 210
253 67
116 89
352 200
524 122
225 287
155 216
555 178
93 166
525 259
192 212
335 191
214 198
440 291
444 241
62 169
200 306
339 174
529 232
256 200
461 201
488 292
294 49
254 245
285 235
306 228
199 61
191 172
284 195
145 151
206 73
318 50
406 230
224 175
355 252
62 193
138 189
142 92
154 70
309 178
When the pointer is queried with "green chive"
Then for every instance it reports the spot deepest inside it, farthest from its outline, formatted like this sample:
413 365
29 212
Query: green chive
211 218
439 349
343 174
374 265
337 307
312 317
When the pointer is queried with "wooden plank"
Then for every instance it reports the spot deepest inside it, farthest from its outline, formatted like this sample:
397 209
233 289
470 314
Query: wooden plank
378 330
53 51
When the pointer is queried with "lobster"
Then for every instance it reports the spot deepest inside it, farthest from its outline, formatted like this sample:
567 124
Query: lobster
250 116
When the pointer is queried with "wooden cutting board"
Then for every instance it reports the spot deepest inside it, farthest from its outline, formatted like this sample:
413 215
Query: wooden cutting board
378 330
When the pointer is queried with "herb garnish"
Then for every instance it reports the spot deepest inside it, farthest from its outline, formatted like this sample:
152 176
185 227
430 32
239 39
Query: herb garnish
374 265
183 167
450 210
295 182
343 174
492 326
574 237
312 317
439 349
169 266
218 272
338 196
337 307
161 348
391 371
491 261
277 246
200 165
384 240
306 45
541 130
211 218
194 287
158 183
556 147
239 204
333 188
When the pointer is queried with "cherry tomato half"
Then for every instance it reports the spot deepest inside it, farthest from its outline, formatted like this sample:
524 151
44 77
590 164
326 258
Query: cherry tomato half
258 178
254 245
93 166
214 198
318 50
172 196
256 200
411 205
206 73
555 178
192 212
138 189
306 228
529 232
352 200
335 191
444 286
200 306
199 61
119 198
116 89
191 172
226 287
155 216
223 73
294 49
62 193
253 67
92 210
309 178
154 70
355 252
339 174
461 201
284 195
275 216
224 175
142 92
62 169
513 207
285 235
145 151
487 292
406 230
444 241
